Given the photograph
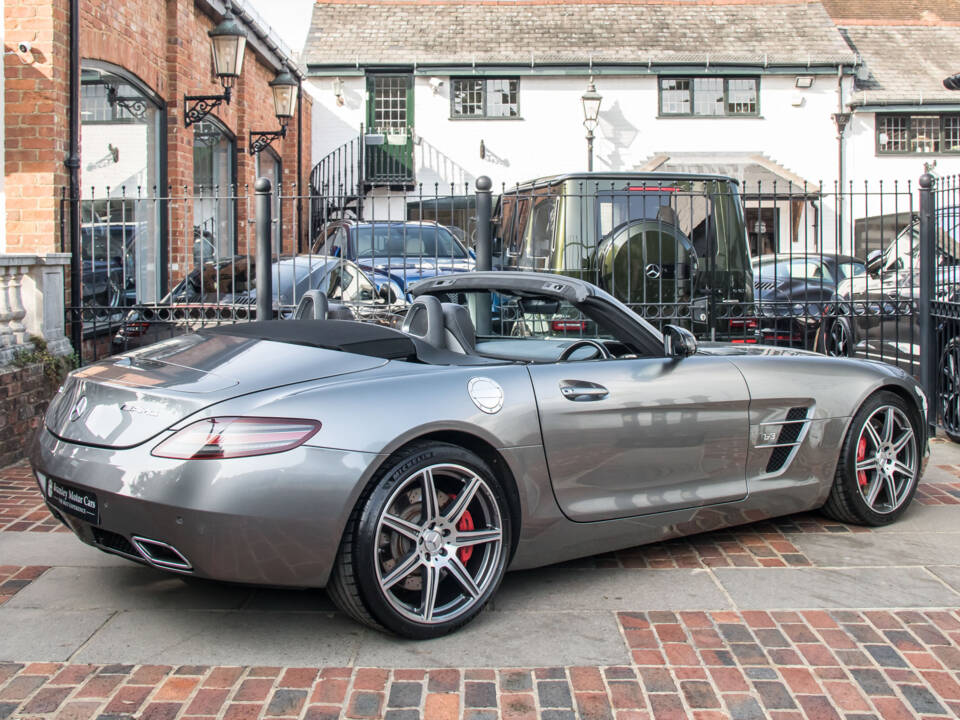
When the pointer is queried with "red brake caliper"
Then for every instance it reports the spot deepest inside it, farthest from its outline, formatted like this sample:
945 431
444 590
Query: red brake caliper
465 524
862 455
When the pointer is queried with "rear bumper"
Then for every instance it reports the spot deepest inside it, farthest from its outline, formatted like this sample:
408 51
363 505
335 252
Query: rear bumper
270 520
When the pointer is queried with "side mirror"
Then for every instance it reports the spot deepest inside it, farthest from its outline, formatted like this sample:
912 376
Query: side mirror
874 262
387 294
678 342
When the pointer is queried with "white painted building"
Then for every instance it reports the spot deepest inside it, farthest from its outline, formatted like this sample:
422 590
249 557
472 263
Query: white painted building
454 92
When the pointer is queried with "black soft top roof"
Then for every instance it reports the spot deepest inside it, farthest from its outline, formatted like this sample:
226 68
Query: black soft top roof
349 336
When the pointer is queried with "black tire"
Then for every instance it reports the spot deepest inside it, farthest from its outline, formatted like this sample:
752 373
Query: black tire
836 338
948 389
357 584
847 501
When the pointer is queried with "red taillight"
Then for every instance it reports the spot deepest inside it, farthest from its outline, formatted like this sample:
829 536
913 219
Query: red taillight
744 341
568 325
136 329
233 437
645 188
743 324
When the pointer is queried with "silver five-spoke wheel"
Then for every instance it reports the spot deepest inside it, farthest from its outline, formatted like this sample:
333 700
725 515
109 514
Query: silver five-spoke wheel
439 541
886 459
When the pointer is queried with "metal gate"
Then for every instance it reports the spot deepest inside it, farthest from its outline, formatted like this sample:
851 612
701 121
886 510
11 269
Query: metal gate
940 266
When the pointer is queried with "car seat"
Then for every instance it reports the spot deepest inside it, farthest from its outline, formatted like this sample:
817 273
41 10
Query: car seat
314 305
459 332
424 320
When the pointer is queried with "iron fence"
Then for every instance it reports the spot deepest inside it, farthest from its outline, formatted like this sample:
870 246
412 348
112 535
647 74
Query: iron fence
829 269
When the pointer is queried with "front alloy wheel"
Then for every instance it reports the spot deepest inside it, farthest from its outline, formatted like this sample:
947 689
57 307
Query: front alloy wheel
428 548
886 459
879 464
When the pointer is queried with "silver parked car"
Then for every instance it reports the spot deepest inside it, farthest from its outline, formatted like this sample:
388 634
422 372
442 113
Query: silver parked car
407 470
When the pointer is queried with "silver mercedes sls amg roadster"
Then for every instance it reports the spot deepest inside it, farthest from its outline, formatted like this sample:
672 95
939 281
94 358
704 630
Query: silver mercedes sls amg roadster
516 420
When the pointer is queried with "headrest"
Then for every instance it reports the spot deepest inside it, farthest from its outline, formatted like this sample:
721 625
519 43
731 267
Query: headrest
424 319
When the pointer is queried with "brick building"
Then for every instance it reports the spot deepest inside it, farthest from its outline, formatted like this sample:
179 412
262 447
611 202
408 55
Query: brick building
138 59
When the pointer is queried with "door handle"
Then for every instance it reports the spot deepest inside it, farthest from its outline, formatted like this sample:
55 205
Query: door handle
582 391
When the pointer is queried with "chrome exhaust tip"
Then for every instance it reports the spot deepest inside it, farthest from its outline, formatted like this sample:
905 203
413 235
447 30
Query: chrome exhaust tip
161 554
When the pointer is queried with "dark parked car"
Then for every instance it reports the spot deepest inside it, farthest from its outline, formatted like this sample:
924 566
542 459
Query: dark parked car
400 252
108 255
671 246
791 291
225 292
874 315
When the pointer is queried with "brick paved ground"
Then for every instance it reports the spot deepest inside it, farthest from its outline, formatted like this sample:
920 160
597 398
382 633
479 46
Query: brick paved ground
742 665
13 578
21 506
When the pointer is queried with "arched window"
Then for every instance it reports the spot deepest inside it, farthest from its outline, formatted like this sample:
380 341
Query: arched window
214 188
122 173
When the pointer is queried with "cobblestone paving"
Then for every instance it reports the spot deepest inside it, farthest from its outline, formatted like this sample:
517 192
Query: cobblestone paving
779 665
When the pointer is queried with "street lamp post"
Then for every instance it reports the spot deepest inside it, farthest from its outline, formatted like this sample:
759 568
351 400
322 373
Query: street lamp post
591 100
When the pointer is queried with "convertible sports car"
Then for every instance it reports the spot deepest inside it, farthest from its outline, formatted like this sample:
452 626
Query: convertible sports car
263 452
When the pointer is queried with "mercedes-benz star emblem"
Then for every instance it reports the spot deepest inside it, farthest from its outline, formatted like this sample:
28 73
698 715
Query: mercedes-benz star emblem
79 408
652 271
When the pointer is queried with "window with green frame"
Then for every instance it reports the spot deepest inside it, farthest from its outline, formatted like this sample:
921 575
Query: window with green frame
918 134
482 98
710 96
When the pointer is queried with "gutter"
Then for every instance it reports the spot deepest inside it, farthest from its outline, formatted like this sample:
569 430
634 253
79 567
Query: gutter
264 43
358 69
73 165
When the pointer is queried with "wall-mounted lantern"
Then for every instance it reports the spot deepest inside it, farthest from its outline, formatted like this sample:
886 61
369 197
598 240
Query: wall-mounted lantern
228 41
285 88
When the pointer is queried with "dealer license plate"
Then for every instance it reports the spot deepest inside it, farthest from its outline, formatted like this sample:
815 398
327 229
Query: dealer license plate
73 501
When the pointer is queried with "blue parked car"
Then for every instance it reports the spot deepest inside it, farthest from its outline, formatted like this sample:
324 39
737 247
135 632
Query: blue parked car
403 251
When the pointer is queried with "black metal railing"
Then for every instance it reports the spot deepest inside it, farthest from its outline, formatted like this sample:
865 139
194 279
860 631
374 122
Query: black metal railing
764 265
942 257
377 157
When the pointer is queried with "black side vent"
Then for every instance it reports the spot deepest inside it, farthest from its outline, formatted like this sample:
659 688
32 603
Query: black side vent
787 439
116 543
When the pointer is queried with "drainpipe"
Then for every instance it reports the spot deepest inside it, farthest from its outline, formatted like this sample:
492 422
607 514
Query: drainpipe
841 118
299 164
73 164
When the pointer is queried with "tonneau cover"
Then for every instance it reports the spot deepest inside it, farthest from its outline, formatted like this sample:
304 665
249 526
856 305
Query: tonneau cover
344 335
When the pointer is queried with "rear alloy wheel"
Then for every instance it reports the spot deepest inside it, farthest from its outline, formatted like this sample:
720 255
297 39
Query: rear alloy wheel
948 390
428 547
879 464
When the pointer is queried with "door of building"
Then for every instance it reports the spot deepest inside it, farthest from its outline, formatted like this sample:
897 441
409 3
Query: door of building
389 136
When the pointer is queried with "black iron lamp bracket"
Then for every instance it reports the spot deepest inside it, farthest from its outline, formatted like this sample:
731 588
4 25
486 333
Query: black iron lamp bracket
197 107
137 107
259 141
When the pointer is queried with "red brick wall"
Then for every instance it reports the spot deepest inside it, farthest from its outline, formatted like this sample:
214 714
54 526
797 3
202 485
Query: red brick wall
37 138
24 396
166 46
